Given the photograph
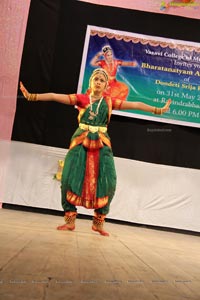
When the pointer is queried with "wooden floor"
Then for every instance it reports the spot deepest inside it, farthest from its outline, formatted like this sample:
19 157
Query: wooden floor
38 262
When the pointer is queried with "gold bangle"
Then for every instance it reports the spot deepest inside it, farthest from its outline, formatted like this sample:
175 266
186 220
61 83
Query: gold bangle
157 111
32 97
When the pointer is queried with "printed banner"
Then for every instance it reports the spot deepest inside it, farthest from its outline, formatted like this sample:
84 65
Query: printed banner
184 8
148 69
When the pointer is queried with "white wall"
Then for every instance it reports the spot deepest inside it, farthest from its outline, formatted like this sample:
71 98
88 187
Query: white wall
146 193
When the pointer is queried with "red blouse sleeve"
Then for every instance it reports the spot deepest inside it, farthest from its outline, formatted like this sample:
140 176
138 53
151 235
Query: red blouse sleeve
116 103
82 100
100 63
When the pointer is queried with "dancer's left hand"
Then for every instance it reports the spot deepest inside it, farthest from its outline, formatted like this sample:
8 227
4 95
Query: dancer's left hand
166 107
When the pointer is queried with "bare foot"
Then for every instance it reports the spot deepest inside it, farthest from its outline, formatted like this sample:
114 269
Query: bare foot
66 227
102 232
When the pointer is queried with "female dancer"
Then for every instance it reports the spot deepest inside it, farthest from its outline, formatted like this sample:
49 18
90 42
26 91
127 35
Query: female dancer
89 177
115 88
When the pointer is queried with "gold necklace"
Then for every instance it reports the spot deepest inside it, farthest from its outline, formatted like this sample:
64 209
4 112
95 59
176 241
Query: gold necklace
92 113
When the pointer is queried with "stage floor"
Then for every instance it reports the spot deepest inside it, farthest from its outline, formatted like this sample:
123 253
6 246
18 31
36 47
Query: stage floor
37 262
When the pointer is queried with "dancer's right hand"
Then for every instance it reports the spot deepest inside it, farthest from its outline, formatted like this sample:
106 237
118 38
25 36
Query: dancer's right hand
24 90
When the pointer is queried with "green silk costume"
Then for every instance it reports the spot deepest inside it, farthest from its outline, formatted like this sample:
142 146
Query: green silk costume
89 176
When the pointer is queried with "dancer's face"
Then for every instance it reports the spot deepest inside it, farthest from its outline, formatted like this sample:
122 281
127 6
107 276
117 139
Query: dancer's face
109 56
98 83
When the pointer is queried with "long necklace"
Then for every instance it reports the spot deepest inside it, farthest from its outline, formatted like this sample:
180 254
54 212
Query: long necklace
92 113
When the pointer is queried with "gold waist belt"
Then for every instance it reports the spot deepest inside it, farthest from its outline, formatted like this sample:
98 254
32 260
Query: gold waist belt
92 129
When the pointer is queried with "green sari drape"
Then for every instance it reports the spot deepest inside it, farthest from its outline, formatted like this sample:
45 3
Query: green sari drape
89 176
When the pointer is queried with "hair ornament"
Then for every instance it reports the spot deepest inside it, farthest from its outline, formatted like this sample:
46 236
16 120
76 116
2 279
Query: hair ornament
106 48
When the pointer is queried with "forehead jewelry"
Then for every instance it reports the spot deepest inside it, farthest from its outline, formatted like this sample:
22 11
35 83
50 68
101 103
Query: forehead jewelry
92 113
100 71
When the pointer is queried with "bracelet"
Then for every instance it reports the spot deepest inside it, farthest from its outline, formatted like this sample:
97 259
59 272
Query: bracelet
32 97
157 111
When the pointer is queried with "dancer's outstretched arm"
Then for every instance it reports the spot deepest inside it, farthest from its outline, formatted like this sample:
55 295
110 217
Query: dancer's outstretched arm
61 98
65 99
145 107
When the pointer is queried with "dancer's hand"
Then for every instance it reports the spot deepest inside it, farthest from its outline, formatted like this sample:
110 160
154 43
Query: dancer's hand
134 63
24 91
167 105
99 54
